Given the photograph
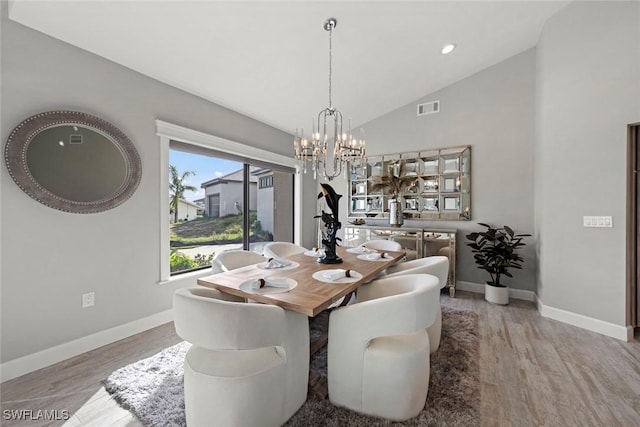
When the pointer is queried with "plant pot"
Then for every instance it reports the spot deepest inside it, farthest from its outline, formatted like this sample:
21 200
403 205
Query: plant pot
496 294
396 217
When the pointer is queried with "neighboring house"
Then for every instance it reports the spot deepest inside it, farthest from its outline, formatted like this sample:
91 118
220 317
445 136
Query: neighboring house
187 211
223 195
265 198
274 190
200 204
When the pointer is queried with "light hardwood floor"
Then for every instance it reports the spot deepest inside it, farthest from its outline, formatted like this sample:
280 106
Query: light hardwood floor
534 372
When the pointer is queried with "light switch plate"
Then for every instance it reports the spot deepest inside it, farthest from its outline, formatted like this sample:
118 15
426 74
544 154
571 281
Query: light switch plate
597 221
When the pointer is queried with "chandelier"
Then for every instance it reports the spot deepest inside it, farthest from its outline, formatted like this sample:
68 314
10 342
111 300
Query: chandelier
315 150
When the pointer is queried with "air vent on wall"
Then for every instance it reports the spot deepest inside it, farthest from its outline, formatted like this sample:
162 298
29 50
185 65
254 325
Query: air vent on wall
75 139
428 108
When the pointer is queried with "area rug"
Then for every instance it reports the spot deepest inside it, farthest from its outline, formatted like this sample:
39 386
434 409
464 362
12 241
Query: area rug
152 388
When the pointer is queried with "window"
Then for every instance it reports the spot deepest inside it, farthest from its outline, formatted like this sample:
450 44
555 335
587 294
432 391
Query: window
211 215
286 188
216 185
222 225
266 182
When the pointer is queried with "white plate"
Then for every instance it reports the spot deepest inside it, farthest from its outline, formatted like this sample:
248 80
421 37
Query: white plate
373 257
320 275
316 254
291 266
247 286
360 250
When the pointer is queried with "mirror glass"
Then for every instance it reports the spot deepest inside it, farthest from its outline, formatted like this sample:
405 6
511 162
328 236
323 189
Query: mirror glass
76 163
73 162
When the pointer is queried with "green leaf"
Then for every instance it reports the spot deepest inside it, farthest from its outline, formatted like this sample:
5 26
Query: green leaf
509 230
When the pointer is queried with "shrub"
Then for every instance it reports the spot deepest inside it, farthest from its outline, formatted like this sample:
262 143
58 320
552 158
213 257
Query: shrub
203 260
180 261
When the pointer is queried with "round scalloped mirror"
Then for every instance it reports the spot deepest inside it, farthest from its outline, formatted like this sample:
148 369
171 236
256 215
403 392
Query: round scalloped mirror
73 161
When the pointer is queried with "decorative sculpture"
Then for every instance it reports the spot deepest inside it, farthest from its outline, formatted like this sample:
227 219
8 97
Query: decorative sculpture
331 225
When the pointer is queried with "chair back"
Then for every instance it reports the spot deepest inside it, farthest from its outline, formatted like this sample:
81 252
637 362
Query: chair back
282 250
383 245
230 260
410 301
216 321
435 265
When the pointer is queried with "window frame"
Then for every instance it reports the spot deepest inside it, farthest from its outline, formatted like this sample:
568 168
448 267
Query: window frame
168 132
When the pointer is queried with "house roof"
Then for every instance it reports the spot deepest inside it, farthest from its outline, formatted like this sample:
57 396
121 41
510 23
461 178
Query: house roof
262 171
186 202
235 176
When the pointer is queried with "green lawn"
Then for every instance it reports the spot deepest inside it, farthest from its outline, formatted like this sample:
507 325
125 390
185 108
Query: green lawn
211 231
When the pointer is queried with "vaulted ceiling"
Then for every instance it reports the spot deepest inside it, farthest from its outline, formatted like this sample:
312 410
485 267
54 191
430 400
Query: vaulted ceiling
269 59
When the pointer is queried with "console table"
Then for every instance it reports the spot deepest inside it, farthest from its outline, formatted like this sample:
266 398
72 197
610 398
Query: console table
417 242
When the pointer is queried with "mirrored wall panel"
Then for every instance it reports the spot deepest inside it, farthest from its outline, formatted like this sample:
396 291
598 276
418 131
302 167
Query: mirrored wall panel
441 189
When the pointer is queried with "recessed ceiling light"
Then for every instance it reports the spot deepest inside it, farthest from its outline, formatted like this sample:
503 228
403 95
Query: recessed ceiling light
448 48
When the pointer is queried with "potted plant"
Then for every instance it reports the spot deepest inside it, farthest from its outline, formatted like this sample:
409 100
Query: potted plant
393 182
496 251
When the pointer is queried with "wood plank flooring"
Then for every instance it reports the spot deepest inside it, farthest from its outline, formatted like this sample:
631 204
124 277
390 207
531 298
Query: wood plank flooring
534 372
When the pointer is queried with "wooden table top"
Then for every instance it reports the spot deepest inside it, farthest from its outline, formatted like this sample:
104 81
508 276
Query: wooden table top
310 296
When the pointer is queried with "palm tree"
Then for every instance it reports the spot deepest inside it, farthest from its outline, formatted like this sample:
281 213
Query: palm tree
177 189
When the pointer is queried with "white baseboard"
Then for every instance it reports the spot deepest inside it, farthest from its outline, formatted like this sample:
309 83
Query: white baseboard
32 362
513 293
624 333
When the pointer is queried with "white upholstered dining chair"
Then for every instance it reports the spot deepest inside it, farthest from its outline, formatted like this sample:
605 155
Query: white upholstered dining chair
248 364
282 250
437 266
230 260
378 350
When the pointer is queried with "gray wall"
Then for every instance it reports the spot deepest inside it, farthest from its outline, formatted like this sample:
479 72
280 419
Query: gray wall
493 111
49 258
588 91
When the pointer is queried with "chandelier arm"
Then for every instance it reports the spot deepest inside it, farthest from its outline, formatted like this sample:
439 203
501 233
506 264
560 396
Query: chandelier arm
324 126
329 176
331 25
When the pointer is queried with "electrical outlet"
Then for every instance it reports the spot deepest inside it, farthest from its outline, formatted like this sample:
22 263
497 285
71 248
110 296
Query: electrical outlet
88 299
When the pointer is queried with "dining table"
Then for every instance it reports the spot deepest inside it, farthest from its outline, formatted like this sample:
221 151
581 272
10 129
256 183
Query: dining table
311 292
308 290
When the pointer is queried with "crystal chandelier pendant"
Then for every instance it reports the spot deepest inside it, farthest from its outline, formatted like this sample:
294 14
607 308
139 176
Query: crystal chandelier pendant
347 149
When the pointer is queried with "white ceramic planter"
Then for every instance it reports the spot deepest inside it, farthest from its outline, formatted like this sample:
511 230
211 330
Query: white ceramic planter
496 295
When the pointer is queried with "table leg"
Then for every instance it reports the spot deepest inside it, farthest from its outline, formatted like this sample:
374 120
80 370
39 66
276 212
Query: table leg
318 386
317 344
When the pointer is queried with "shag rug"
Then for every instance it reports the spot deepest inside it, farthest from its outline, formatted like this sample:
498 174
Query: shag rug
152 388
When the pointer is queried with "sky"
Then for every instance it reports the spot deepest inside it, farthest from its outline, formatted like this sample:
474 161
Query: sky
206 168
